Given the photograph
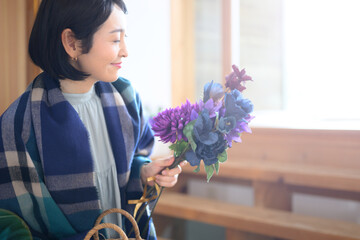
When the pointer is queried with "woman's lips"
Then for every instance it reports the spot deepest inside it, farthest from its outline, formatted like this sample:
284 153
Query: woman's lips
118 65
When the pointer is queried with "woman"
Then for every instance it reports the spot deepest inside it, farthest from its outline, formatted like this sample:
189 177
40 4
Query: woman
76 142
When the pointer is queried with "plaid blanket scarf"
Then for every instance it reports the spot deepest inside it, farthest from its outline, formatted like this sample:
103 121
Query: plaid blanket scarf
46 167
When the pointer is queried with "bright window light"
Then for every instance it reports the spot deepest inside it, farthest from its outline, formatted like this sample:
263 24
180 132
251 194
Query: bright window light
322 58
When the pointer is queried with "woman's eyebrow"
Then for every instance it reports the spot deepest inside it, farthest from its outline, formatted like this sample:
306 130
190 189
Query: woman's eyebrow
118 30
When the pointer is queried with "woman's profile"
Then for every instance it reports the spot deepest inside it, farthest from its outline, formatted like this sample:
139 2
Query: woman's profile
76 142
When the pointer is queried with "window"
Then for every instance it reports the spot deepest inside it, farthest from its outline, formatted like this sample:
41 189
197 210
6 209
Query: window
302 55
322 57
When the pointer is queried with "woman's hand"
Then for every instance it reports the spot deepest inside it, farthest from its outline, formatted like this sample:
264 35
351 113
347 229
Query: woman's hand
166 177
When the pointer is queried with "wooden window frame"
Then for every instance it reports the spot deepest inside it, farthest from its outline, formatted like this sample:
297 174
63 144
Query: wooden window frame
183 48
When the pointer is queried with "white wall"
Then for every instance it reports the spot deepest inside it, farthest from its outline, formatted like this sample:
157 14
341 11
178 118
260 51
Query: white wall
149 61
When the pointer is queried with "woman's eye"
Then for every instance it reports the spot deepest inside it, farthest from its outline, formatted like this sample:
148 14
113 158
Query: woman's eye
117 41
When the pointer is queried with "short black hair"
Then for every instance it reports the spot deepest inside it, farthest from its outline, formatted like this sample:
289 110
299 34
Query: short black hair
83 17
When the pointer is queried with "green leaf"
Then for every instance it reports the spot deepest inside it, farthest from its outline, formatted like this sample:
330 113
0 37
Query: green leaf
173 146
209 171
196 170
188 130
178 147
13 227
217 167
222 156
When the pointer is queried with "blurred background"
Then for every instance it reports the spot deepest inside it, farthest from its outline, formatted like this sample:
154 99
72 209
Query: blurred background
303 56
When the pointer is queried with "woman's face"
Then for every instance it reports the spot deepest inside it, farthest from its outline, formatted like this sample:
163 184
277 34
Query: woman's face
103 61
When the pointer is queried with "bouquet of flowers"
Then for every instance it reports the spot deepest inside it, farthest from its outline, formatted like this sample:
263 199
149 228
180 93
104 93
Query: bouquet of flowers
204 130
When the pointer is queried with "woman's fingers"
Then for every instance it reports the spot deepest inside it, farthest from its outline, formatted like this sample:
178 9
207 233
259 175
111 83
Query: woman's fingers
166 181
168 177
165 178
183 163
175 171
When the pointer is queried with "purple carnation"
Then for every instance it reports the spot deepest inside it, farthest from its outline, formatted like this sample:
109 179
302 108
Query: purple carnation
169 124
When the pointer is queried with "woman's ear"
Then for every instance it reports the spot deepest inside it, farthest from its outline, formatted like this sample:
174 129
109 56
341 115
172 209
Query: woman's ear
70 43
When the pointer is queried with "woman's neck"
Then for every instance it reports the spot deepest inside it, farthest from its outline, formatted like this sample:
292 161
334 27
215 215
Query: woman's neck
71 86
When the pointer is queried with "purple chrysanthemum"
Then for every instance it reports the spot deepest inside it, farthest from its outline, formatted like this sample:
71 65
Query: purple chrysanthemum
169 124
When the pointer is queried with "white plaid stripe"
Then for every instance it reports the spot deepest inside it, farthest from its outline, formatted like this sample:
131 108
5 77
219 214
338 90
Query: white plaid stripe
36 121
55 96
123 179
26 124
12 158
82 180
19 188
119 101
78 207
37 94
127 131
36 189
110 100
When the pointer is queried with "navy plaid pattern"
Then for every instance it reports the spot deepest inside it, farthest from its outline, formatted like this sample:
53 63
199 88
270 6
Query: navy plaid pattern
46 167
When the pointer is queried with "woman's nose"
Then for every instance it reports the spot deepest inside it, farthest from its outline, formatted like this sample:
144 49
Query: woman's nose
123 51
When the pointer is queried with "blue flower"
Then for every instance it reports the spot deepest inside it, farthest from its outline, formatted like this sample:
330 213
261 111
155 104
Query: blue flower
209 143
203 129
236 105
207 152
247 105
213 91
226 124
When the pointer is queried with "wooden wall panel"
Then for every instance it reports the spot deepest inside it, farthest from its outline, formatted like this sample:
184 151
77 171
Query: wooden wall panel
226 38
16 18
31 9
13 49
182 51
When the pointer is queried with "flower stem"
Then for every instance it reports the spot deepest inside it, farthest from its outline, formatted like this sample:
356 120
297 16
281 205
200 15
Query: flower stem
156 201
176 162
